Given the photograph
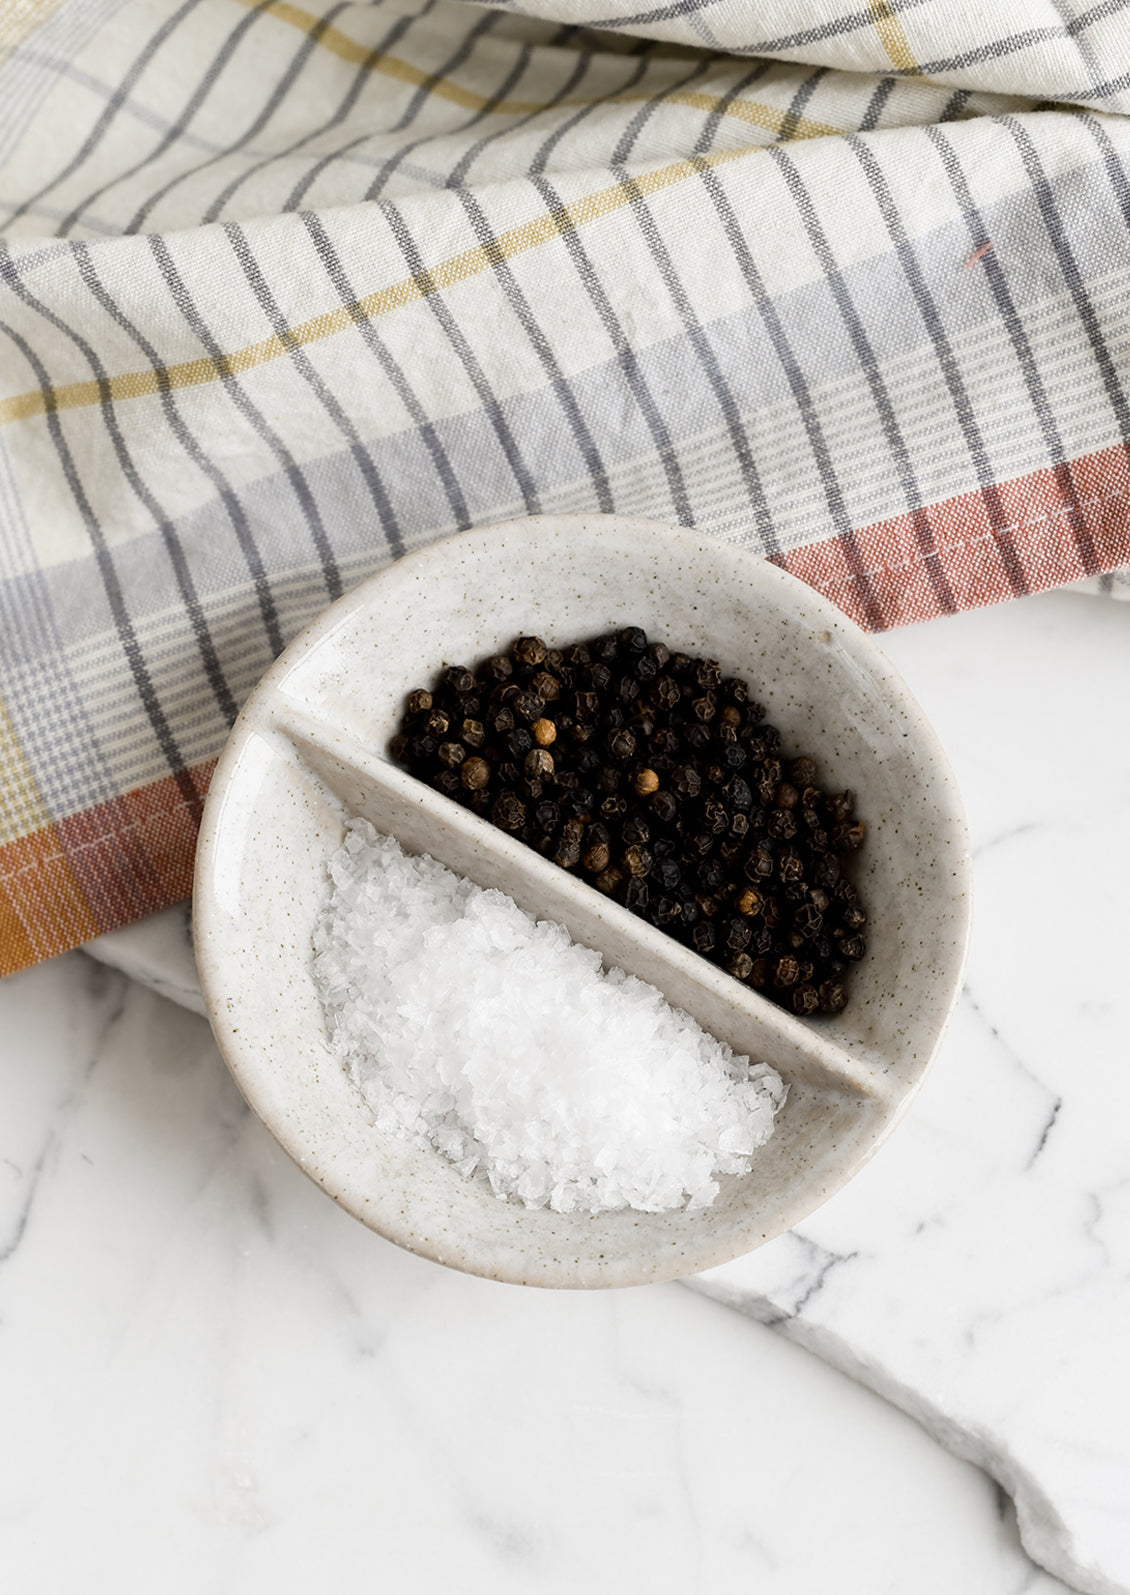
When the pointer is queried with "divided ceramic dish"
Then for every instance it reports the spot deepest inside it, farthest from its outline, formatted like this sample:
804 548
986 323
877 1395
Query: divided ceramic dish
310 748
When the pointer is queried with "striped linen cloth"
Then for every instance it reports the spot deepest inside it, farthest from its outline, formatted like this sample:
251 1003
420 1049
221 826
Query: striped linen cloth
289 289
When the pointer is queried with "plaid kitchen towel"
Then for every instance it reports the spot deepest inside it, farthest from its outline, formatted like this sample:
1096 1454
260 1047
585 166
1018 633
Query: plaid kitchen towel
288 289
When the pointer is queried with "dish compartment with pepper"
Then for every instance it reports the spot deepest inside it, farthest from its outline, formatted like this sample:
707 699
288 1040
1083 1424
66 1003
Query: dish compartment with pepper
657 779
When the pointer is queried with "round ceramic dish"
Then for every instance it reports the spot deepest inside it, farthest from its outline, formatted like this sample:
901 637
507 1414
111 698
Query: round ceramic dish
309 749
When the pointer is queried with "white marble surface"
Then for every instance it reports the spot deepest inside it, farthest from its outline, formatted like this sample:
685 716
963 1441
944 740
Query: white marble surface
205 1356
213 1380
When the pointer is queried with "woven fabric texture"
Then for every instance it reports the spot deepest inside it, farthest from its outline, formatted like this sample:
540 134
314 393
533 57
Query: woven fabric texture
287 290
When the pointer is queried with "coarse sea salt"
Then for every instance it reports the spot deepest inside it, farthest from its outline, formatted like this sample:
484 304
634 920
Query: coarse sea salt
472 1028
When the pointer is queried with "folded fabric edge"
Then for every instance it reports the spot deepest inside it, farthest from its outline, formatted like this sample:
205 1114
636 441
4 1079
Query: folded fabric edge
1051 527
98 870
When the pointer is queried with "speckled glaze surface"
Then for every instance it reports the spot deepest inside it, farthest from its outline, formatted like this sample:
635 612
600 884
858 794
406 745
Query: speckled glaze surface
309 748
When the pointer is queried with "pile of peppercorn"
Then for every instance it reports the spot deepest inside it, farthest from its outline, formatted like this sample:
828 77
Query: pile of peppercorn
660 782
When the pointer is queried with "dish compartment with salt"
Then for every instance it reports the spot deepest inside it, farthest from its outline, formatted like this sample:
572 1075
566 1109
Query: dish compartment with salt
308 755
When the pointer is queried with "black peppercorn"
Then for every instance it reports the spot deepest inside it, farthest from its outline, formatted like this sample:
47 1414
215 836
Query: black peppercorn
663 806
714 817
805 999
459 680
498 670
825 870
568 850
528 706
627 689
781 824
759 866
833 997
666 910
637 894
636 861
666 874
710 875
546 686
509 812
636 830
596 858
474 774
665 692
790 866
529 651
808 920
846 837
